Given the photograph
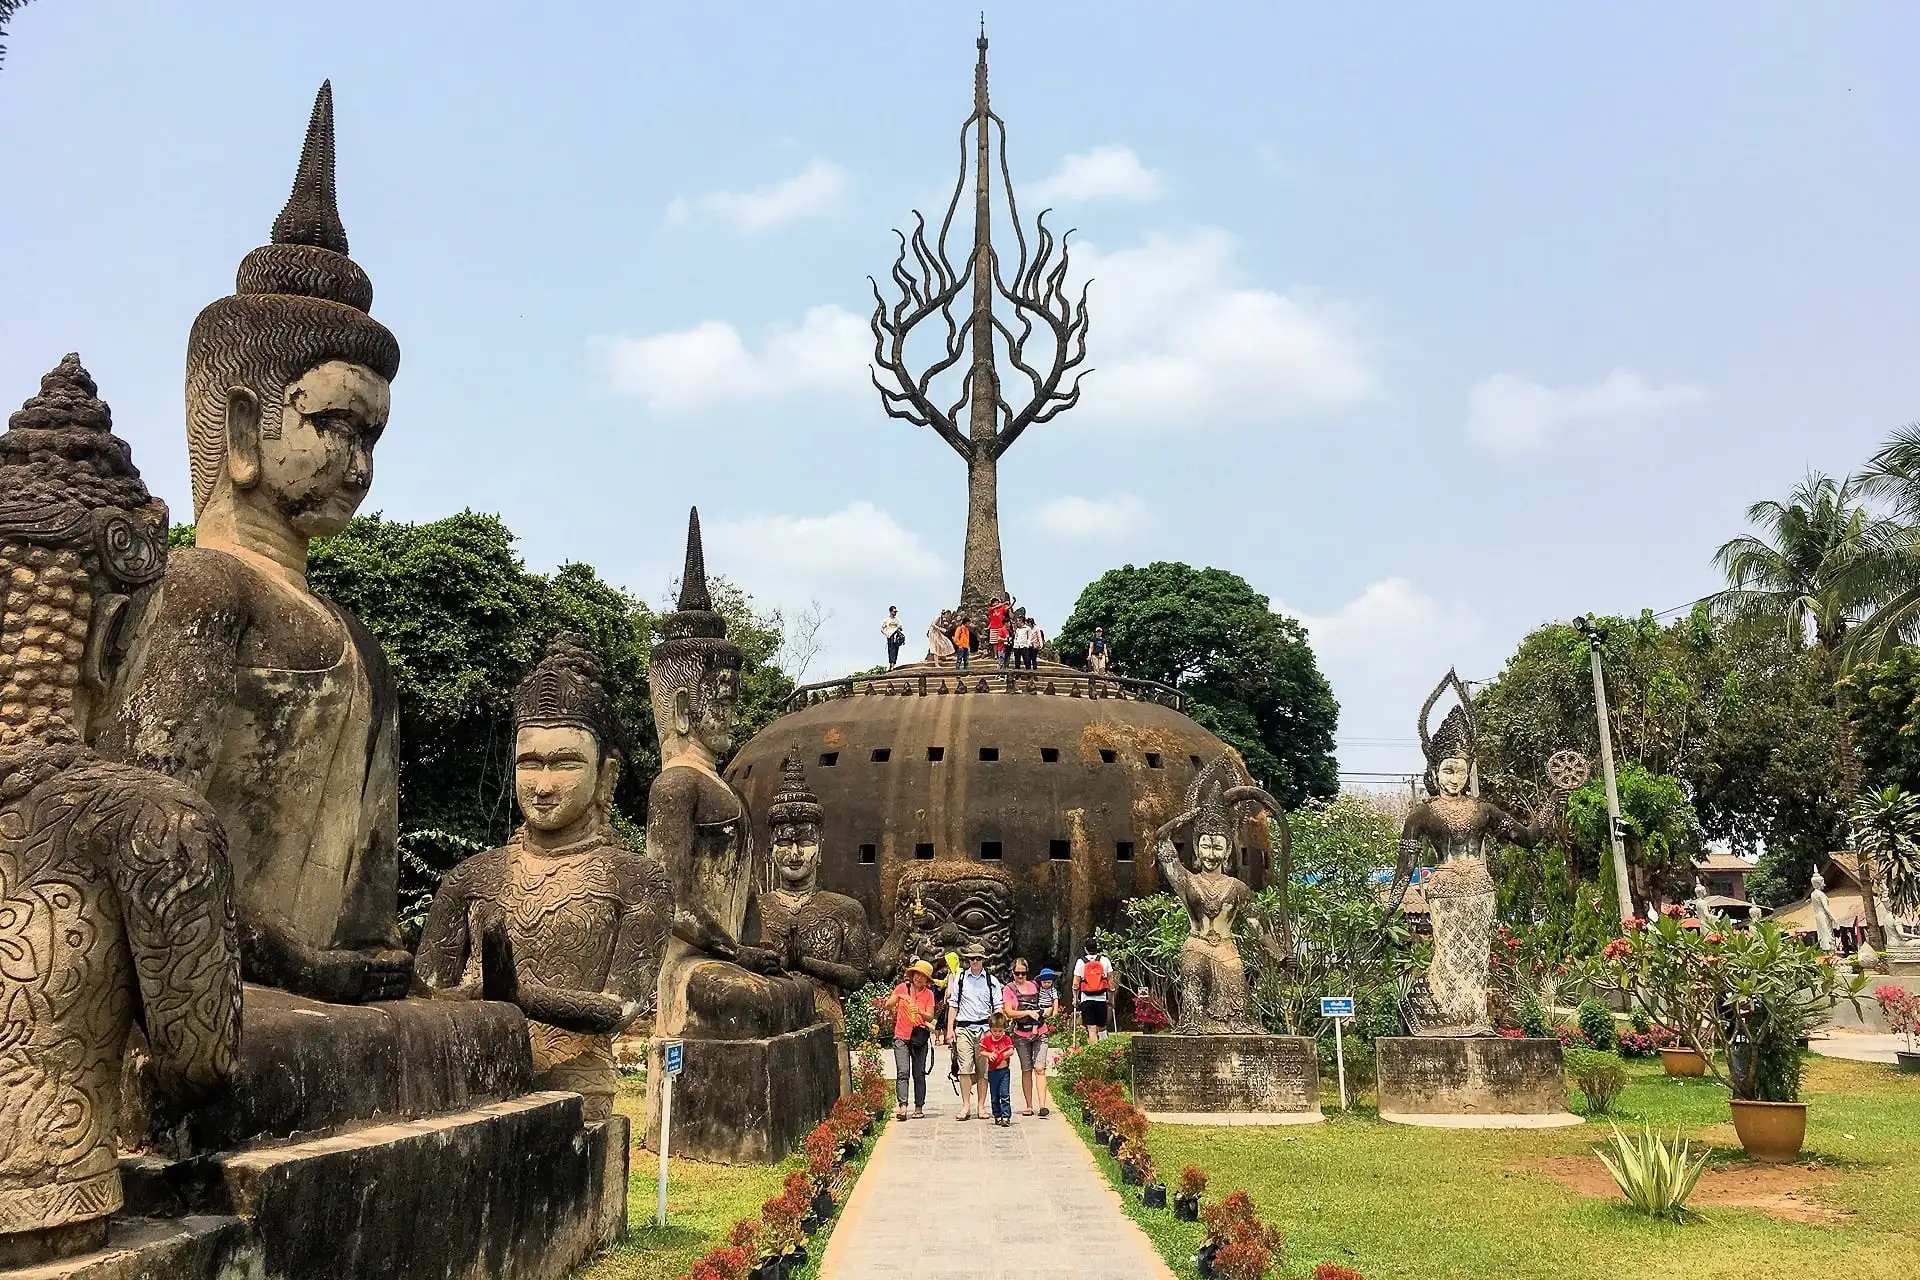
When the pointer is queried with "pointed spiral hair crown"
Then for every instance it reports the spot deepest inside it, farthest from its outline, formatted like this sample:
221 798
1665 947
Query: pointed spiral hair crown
67 481
566 687
695 629
794 804
1456 736
1208 793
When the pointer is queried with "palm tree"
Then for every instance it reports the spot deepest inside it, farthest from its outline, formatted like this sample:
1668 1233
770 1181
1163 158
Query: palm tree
1818 564
1886 835
1892 476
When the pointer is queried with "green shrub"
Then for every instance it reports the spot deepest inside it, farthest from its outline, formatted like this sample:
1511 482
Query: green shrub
864 1015
1532 1016
1642 1024
1600 1076
1383 1015
1106 1060
1655 1178
1596 1023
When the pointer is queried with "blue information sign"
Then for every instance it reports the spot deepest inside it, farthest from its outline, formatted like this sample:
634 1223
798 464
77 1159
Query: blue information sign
674 1050
1336 1006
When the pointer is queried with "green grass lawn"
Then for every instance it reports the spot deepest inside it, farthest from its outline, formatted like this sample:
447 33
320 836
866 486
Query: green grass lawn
1396 1203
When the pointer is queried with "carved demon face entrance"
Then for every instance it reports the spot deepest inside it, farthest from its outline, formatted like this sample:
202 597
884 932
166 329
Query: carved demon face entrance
945 908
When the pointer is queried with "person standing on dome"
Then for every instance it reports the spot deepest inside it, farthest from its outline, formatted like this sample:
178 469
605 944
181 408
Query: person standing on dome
895 634
997 630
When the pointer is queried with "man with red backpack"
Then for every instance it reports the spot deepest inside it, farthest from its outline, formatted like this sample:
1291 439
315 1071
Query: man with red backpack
1093 980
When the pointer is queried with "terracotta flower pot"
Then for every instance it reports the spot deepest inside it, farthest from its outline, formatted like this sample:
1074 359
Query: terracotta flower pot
1771 1131
1683 1062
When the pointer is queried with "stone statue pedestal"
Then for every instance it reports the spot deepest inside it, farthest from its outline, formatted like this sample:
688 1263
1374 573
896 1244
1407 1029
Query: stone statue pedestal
392 1141
1472 1082
746 1101
1227 1079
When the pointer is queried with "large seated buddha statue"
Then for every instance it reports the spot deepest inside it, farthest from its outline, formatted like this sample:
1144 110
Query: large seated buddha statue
275 704
712 985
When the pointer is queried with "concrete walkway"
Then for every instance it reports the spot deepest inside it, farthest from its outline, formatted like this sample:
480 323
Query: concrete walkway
1860 1046
941 1200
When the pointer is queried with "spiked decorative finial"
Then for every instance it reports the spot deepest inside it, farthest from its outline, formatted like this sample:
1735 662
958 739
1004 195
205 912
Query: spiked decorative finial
794 804
312 214
693 579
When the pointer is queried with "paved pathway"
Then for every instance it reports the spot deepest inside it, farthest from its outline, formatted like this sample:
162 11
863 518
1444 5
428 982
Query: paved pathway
941 1200
1861 1046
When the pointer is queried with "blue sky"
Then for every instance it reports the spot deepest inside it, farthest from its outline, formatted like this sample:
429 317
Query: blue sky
1432 323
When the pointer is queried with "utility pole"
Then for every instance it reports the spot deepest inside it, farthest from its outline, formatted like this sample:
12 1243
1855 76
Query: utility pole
1594 637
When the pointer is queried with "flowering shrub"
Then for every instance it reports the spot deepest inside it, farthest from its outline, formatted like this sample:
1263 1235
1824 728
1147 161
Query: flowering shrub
1646 1044
723 1264
1334 1271
1572 1038
1148 1013
1756 986
1902 1010
1241 1260
1193 1182
823 1150
1233 1221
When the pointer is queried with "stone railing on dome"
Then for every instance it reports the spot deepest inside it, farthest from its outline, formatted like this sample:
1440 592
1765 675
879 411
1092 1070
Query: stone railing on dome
922 679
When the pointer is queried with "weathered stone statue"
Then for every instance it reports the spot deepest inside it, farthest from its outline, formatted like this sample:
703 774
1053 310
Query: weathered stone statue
1213 982
1702 909
575 922
115 896
272 703
269 701
1452 998
1822 915
949 904
711 984
822 935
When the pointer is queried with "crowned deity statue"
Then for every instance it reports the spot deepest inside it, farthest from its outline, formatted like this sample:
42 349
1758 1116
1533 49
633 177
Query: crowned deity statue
712 985
565 921
116 904
1451 999
821 935
1214 999
273 703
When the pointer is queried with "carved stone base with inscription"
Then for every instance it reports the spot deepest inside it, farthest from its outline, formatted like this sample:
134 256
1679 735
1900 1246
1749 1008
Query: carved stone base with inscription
1265 1079
748 1101
1472 1082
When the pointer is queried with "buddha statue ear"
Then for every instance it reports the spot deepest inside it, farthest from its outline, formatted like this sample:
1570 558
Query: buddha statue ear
243 437
683 711
609 779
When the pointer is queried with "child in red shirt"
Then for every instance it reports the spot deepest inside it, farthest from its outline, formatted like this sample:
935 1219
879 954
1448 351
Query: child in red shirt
997 1046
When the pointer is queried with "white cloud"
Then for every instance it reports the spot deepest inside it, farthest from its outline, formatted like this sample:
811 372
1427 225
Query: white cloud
1076 519
709 364
815 189
1110 172
1386 624
1180 341
1507 414
798 554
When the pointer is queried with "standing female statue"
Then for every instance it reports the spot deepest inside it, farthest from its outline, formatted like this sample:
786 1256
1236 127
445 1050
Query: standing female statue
1213 982
1451 999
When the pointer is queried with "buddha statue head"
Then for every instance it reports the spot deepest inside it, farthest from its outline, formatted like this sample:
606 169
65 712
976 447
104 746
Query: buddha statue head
1449 749
1819 882
695 675
287 380
795 820
567 744
82 549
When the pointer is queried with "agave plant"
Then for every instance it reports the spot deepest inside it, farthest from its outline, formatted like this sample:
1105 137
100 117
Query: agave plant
1655 1177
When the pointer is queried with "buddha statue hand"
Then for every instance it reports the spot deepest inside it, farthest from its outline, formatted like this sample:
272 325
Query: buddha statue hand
358 977
499 979
759 960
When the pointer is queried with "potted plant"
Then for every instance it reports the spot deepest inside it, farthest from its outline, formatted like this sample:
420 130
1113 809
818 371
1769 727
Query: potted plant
1751 991
1902 1010
1681 1060
1186 1198
1238 1246
1134 1163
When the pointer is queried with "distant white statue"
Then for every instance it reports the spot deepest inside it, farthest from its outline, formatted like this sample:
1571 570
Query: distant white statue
1822 915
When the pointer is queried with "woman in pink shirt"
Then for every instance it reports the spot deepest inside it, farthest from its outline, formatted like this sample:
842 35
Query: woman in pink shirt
911 1004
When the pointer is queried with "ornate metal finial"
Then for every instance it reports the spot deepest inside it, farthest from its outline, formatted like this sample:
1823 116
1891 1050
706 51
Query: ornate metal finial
312 213
1041 304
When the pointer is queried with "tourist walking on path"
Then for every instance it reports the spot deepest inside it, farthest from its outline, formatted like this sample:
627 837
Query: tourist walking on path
962 643
1099 652
912 1007
997 1048
1092 985
997 630
1028 1007
896 635
973 997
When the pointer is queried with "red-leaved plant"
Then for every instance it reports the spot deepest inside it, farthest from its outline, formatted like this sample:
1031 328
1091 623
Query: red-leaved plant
1334 1271
1193 1182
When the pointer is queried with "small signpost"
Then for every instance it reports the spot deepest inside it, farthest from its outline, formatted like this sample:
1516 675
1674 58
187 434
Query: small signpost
1334 1008
672 1056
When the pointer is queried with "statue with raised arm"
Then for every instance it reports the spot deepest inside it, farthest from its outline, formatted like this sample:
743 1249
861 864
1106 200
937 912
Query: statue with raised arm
822 935
565 921
274 704
1214 999
712 985
115 897
1451 1000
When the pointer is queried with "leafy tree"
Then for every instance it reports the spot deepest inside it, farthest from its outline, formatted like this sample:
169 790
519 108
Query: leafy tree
7 9
1662 834
1886 833
1342 842
1248 672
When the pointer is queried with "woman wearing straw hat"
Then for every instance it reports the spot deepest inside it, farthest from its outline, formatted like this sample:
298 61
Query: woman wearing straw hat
912 1007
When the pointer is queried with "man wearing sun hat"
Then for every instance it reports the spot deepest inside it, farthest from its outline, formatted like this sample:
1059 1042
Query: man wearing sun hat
973 997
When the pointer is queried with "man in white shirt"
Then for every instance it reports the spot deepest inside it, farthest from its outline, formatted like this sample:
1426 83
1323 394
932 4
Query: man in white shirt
1092 986
973 996
1022 642
896 635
